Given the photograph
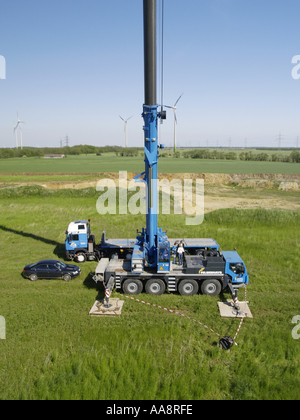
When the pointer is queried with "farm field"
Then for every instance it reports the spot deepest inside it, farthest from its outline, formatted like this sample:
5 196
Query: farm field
54 350
110 163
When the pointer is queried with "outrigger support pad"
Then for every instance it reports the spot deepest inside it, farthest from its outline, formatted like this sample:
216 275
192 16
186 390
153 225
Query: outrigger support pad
226 342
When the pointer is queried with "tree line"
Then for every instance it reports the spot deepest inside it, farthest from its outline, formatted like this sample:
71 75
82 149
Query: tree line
246 155
68 150
294 156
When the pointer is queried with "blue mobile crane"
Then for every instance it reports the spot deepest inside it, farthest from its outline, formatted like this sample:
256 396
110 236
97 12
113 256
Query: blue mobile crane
150 267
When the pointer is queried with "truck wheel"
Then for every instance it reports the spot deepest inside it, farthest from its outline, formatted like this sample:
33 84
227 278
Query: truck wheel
211 287
67 277
132 286
188 287
33 277
81 257
155 287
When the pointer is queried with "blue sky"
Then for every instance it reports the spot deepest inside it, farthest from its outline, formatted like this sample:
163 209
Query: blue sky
74 66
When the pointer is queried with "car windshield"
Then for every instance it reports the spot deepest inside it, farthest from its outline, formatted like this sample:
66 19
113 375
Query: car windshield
60 264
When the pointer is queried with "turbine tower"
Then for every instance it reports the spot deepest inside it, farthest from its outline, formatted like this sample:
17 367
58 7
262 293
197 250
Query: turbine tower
175 119
15 128
125 127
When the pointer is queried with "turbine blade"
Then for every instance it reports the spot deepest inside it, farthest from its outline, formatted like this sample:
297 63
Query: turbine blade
178 99
121 118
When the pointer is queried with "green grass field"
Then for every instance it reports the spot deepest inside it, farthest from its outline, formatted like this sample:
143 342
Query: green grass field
110 163
55 350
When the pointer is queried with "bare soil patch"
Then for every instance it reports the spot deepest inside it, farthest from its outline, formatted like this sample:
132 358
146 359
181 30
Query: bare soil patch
242 191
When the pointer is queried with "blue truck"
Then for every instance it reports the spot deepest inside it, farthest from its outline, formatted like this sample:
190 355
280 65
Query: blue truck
80 245
210 272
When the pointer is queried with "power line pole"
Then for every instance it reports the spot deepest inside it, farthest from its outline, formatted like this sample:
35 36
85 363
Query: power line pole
279 140
67 140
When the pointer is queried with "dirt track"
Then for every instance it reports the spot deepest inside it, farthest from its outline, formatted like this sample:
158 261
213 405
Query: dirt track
220 190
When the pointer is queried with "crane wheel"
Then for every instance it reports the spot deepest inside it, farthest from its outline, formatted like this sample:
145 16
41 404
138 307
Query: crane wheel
188 287
132 286
155 287
211 287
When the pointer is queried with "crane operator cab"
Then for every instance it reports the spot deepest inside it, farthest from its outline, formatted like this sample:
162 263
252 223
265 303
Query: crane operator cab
163 257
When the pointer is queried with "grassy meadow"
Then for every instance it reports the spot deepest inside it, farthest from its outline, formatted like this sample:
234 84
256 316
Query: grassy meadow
55 350
112 163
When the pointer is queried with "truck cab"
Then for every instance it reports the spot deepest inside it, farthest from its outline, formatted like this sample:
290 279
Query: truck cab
79 240
235 268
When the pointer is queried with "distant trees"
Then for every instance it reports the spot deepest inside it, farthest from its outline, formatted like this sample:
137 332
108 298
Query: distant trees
67 150
245 155
209 154
295 156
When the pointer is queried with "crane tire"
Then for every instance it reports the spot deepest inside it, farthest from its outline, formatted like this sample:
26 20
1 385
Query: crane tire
188 287
211 287
132 286
155 287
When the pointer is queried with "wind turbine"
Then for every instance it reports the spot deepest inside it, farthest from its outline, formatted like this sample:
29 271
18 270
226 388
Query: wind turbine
15 130
19 123
125 127
175 119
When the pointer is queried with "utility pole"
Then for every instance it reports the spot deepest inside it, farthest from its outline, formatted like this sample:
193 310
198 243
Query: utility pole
67 140
279 140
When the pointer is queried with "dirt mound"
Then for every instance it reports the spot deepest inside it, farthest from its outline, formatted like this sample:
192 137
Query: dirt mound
289 186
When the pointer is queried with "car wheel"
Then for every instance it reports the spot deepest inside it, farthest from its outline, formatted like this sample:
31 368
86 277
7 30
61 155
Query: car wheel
33 277
211 287
155 287
67 277
132 286
188 287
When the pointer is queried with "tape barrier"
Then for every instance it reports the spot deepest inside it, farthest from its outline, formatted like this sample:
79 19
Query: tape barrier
170 310
194 320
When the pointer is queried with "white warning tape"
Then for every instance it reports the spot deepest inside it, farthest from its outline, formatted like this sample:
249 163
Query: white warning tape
185 316
174 312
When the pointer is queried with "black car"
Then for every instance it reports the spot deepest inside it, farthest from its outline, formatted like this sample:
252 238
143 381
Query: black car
50 269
